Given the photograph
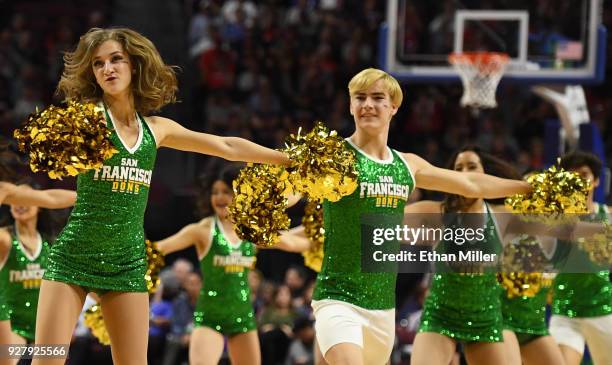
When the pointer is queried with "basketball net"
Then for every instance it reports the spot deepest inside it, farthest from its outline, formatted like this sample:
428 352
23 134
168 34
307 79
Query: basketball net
480 74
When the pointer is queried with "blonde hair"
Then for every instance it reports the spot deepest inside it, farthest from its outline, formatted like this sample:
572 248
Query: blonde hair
153 83
367 77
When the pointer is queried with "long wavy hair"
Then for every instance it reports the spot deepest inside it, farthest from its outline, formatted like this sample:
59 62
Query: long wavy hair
154 83
492 165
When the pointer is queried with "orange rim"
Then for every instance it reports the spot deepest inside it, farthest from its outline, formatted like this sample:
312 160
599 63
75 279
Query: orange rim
481 60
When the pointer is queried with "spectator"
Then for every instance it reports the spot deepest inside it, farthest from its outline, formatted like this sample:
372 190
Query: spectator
232 7
217 65
181 322
295 279
276 327
199 38
301 350
265 297
161 316
181 270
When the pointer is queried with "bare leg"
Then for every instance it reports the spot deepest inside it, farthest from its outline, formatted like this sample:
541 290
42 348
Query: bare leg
571 356
542 351
59 306
205 346
244 349
319 360
127 320
485 353
5 338
15 339
344 354
431 348
513 349
456 360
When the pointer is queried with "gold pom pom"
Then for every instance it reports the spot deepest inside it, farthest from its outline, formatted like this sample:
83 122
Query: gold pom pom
155 262
313 228
521 284
524 256
94 321
322 166
599 246
555 193
523 264
66 141
259 204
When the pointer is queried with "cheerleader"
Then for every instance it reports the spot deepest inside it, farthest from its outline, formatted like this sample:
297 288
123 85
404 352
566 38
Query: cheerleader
102 249
582 302
224 306
23 253
464 308
526 336
355 310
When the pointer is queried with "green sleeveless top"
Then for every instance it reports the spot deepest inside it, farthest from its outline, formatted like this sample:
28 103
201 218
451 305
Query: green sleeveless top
383 188
20 279
102 246
582 294
224 303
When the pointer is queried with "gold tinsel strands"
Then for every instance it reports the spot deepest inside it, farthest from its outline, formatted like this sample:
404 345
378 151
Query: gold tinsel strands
155 262
66 141
521 284
599 246
95 322
321 165
556 193
259 204
313 228
523 264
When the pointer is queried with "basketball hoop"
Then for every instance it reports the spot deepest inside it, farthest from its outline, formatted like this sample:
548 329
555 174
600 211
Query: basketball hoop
480 74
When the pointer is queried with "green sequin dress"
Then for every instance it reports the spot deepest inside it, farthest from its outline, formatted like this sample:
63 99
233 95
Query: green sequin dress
525 316
102 247
383 189
20 279
466 307
224 303
581 294
5 314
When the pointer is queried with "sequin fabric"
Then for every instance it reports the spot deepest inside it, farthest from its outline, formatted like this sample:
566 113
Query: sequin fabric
341 277
102 246
20 280
4 310
525 314
224 303
466 307
582 294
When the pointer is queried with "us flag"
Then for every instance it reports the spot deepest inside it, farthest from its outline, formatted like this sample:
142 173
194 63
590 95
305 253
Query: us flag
569 50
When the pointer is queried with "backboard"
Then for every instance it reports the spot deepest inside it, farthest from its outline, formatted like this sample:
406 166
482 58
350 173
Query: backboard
548 41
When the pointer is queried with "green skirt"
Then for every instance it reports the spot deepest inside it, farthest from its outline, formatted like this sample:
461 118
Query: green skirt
225 323
525 315
5 313
465 307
